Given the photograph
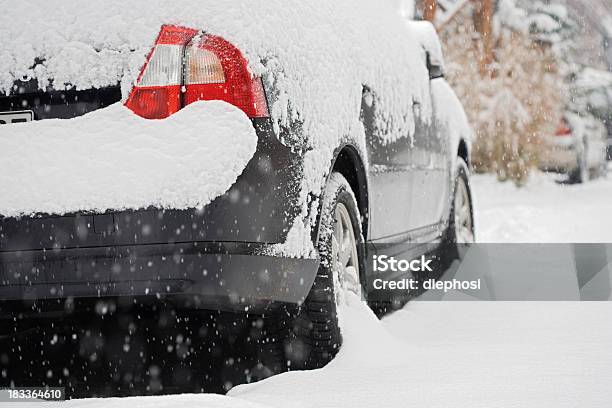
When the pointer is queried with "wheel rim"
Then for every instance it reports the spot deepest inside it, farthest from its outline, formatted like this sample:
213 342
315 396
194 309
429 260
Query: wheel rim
464 225
345 256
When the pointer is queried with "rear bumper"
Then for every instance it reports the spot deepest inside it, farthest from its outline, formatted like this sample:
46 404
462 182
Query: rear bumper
558 157
223 276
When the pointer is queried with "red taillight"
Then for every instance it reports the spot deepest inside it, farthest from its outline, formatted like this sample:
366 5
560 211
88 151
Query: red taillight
155 102
215 69
183 68
563 129
157 93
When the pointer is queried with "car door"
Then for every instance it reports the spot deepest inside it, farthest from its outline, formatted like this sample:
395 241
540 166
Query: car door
391 176
431 170
407 175
596 142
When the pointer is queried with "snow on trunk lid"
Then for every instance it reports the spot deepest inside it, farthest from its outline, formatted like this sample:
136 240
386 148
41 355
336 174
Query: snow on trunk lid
112 159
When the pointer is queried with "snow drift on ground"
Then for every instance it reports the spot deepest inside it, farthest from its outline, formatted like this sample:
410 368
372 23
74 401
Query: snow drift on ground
545 210
113 159
472 354
441 354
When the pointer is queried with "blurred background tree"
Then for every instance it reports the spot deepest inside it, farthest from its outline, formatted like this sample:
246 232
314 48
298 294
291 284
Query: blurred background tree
511 62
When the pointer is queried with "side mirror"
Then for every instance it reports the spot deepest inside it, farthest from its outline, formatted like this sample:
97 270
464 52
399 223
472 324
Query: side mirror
426 36
435 68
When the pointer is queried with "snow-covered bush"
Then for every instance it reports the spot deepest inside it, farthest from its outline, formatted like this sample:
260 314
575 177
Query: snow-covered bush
546 22
511 106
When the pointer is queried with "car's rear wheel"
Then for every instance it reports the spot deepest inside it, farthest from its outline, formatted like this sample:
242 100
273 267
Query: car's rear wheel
461 226
461 229
315 335
602 169
581 173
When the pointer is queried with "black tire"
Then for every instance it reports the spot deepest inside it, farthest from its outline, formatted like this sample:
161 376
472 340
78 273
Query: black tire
602 170
581 174
449 250
315 337
451 243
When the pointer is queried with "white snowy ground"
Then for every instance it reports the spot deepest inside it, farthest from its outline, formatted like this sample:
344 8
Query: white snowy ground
543 211
460 354
440 354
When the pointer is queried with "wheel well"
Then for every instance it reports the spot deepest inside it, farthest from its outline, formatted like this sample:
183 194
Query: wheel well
463 151
349 164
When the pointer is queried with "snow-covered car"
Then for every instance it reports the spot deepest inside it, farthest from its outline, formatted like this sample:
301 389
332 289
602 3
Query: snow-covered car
578 148
223 164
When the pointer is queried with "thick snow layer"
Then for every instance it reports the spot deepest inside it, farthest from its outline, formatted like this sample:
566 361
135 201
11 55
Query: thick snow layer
543 211
451 116
593 91
425 33
406 8
544 23
113 159
593 79
511 15
441 354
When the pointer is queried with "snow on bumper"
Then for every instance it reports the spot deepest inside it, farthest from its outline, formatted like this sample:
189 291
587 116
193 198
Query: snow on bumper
112 159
